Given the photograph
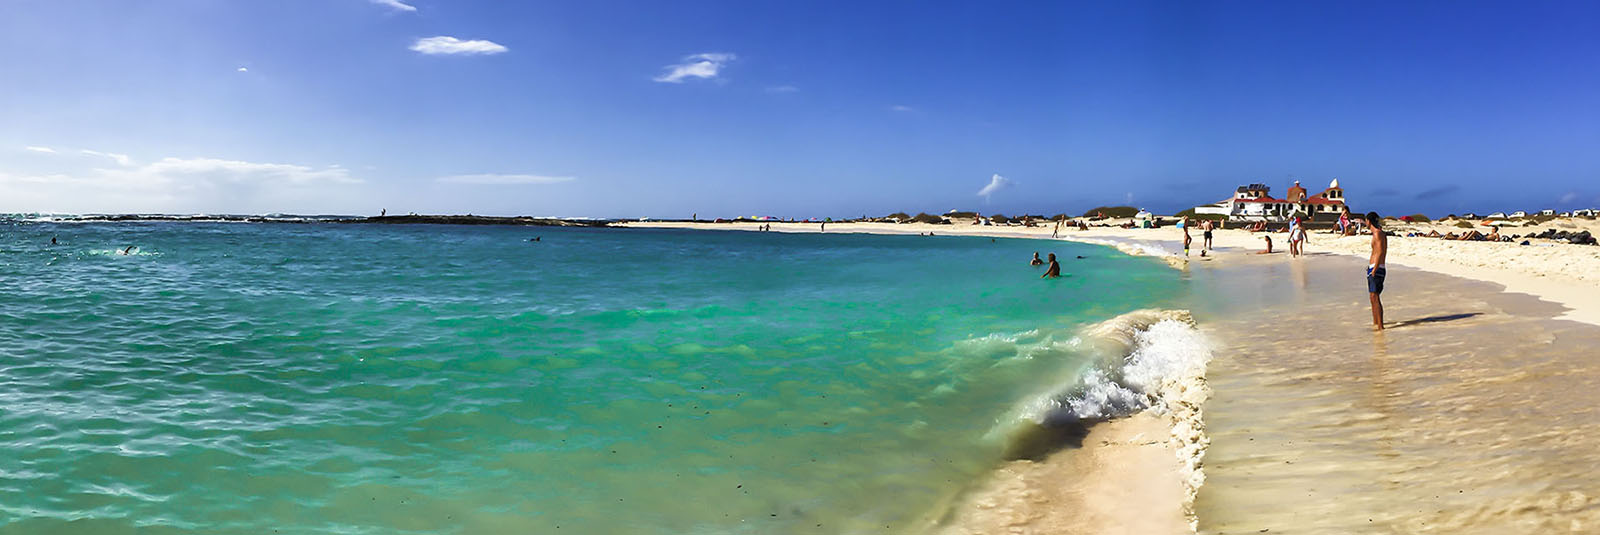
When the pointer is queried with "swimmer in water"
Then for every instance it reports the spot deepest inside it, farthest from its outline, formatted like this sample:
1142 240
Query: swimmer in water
53 241
128 251
536 238
1054 270
1036 261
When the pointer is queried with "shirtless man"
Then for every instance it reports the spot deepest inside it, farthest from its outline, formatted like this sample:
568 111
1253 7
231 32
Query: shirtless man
1054 270
1036 261
1375 267
1206 228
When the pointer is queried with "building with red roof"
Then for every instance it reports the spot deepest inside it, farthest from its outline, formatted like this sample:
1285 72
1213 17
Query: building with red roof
1254 202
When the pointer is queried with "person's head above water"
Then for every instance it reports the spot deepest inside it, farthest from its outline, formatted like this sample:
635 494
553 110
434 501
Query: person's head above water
1052 257
1372 219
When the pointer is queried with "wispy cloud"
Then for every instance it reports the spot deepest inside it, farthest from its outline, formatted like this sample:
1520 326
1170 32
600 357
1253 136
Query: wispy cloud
1441 191
996 183
1569 197
704 66
121 159
901 108
47 150
783 89
502 180
177 184
446 45
396 5
242 69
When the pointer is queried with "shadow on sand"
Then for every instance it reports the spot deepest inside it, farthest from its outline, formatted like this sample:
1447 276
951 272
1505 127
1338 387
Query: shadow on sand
1434 319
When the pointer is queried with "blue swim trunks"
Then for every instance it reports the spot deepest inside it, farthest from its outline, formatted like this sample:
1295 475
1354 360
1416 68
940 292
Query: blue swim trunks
1375 279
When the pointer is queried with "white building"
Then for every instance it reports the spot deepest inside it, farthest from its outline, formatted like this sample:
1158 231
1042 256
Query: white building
1254 202
1519 213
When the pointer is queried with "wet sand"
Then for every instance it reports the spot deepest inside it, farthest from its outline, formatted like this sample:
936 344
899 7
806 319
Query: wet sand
1474 412
1123 479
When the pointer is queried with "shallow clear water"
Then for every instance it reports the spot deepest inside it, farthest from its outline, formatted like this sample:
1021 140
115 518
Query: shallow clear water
239 378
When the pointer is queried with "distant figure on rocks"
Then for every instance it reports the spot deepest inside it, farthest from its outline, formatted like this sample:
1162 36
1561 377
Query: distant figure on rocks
1054 270
383 212
1036 261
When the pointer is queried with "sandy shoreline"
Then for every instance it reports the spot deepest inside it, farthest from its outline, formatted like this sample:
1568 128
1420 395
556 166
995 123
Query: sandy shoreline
1306 354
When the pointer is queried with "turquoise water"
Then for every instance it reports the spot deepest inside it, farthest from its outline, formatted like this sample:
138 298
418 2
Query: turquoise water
280 378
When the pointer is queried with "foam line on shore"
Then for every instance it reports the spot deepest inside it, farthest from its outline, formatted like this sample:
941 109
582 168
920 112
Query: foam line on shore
1146 360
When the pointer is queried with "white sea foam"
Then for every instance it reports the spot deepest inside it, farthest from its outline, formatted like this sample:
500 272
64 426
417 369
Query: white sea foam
1144 360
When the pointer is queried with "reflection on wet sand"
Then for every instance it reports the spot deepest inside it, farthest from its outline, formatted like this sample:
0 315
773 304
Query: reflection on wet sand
1473 413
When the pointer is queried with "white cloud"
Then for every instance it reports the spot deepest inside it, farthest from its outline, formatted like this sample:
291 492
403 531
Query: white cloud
705 66
496 179
242 69
444 44
41 149
783 89
901 108
397 5
996 183
184 185
122 159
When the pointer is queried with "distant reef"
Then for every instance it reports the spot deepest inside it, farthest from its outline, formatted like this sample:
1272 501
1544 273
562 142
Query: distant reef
480 220
410 219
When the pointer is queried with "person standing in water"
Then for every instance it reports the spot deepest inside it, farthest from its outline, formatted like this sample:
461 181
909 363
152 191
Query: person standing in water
1206 228
1036 261
1375 268
1054 270
1187 239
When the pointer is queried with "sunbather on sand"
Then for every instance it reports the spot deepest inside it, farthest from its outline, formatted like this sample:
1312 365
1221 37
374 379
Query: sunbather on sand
1269 245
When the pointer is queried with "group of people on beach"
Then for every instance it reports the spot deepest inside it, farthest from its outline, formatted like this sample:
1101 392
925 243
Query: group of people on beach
1377 270
1206 227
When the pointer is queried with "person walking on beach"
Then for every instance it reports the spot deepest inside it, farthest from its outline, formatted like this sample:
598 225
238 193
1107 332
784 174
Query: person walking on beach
1375 268
1036 261
1054 270
1206 228
1297 237
1184 224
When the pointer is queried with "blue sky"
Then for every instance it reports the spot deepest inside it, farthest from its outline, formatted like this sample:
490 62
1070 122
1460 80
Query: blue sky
797 109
